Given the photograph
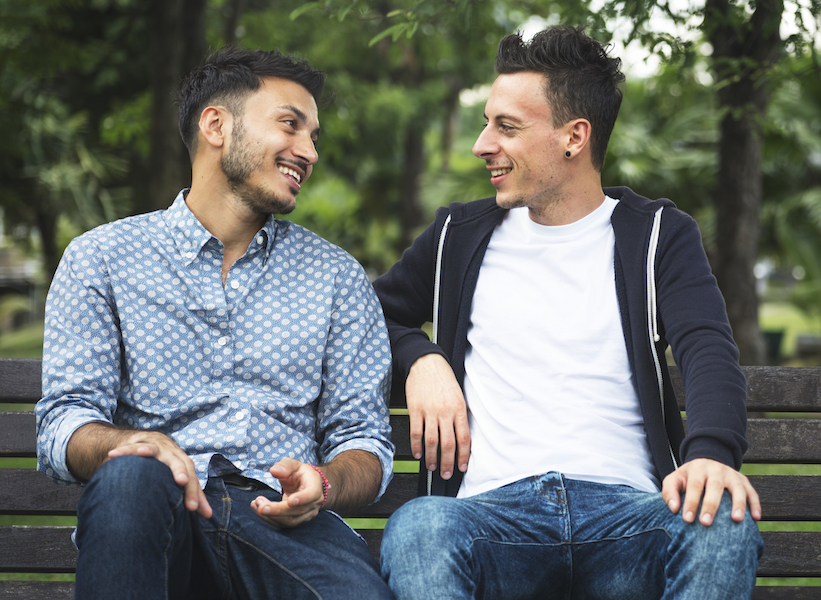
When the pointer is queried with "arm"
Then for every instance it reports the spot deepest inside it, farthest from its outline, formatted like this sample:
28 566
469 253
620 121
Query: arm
694 317
435 402
353 475
82 379
95 443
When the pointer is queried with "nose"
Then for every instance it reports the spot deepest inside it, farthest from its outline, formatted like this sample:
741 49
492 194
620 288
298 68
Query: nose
306 149
485 145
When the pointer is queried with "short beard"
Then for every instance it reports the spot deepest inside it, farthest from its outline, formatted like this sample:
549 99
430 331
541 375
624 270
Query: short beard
238 165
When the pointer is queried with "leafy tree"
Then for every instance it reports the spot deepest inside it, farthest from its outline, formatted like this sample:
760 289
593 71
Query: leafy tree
746 46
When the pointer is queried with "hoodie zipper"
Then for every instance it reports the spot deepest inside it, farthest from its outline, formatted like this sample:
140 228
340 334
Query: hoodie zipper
652 318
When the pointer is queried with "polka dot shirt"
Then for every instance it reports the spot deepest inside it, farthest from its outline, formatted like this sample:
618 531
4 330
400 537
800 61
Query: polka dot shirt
290 358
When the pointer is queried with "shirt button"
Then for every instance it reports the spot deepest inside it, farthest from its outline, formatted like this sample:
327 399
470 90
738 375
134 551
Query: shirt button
260 240
223 340
240 415
235 284
190 255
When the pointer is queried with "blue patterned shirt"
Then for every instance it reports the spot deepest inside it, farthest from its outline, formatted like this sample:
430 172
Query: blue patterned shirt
290 358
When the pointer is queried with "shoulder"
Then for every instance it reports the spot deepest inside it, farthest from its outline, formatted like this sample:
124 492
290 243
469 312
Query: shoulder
117 236
306 246
486 208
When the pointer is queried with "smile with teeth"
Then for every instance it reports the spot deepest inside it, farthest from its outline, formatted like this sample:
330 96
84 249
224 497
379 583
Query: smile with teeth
497 172
285 170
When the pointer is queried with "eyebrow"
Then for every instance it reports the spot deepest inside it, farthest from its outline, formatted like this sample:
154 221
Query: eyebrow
301 116
504 117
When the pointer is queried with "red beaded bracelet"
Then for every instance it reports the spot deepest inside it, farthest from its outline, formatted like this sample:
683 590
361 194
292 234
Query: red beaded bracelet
326 485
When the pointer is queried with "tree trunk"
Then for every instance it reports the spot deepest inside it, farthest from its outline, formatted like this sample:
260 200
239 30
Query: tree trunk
743 53
176 44
409 201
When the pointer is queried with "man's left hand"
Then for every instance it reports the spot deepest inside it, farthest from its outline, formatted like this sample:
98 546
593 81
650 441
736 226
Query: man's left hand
709 478
301 495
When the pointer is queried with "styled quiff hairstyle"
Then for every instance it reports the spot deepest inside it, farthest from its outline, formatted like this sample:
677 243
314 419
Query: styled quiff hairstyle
581 81
229 76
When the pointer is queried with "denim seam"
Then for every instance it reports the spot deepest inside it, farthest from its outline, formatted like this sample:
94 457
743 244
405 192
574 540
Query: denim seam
168 544
277 564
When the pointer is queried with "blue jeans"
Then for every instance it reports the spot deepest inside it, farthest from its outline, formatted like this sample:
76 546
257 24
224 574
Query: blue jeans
550 537
137 540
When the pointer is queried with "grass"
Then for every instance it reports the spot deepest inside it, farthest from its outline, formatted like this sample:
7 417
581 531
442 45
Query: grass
26 342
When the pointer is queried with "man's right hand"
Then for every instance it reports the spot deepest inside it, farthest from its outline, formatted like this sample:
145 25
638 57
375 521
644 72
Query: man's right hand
94 443
438 414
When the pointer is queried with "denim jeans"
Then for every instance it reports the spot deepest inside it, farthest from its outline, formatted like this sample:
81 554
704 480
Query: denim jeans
551 537
137 540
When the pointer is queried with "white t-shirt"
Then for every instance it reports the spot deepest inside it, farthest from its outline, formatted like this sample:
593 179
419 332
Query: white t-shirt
547 378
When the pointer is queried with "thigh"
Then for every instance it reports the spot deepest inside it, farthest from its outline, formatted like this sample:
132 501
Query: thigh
324 558
134 533
508 543
627 543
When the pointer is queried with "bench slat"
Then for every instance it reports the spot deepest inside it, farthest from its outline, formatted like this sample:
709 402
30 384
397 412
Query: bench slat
37 549
23 491
20 379
770 389
786 593
29 492
771 440
49 549
36 590
790 554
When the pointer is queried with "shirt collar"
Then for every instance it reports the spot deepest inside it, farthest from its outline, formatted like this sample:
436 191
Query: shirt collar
190 235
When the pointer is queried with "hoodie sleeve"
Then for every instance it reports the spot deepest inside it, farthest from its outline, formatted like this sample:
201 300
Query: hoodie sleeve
406 294
694 322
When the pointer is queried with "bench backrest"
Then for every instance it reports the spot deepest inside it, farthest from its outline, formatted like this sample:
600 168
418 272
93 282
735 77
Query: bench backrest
780 432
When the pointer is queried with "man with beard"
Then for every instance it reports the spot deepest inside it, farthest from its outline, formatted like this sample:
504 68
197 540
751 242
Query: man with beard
216 377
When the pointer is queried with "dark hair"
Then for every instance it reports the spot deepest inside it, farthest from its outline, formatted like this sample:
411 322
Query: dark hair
229 75
581 81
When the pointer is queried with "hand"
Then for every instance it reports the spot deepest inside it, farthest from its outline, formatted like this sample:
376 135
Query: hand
157 445
437 407
302 495
710 478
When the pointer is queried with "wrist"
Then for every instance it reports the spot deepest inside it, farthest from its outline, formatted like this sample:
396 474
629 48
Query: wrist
326 485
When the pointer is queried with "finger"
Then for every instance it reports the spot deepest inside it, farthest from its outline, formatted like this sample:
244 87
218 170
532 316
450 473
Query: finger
692 497
753 500
462 441
431 444
447 445
713 493
203 507
416 430
671 491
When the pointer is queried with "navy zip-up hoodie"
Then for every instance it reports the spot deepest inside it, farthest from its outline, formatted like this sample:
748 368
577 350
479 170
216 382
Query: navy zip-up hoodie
667 295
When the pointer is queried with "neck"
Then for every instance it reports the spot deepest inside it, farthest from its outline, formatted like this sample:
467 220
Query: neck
227 219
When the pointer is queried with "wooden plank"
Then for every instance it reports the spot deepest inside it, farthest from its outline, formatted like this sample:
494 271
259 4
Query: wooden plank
786 593
17 434
401 489
769 389
790 554
37 549
20 379
784 441
36 590
789 497
29 492
773 389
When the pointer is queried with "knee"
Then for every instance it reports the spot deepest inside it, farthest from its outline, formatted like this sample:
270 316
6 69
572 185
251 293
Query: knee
130 485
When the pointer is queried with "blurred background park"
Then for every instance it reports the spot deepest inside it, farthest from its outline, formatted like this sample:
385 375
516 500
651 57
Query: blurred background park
722 114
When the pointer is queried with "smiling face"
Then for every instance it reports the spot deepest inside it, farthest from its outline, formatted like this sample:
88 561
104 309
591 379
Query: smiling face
522 149
272 148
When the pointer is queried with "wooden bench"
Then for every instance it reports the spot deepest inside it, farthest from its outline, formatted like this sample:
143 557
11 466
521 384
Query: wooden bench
775 438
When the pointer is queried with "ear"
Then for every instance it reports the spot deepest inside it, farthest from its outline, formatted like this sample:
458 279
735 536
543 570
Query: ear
215 126
578 135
